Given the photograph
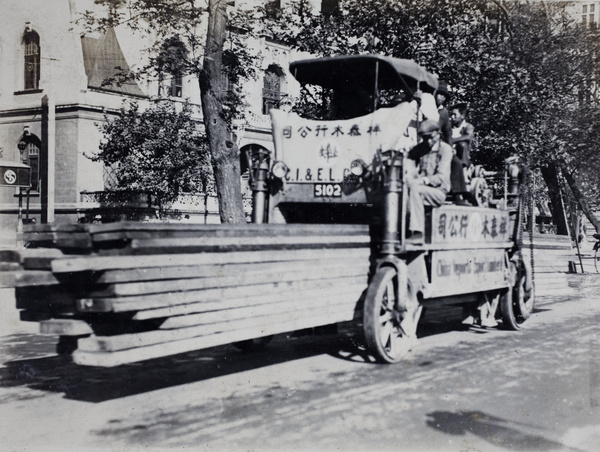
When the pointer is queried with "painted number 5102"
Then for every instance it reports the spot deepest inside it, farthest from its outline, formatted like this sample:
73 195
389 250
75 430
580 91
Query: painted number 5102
328 190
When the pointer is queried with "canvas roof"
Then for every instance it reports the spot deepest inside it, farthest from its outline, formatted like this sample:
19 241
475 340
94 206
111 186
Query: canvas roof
331 72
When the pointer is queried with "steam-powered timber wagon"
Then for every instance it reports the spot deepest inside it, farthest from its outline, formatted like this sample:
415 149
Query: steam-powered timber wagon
328 244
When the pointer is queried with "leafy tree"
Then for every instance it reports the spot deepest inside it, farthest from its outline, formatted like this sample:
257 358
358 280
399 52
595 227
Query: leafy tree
520 66
158 152
189 39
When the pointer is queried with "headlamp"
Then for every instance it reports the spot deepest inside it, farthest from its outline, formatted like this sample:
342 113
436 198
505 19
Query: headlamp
279 170
358 167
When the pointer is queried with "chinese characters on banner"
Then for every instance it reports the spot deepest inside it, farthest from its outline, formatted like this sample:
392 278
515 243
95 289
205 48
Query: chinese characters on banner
322 151
452 225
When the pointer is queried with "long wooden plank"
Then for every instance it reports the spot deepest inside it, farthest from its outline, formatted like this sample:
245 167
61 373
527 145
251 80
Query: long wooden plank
308 271
117 358
214 270
24 278
267 228
9 266
145 231
248 312
35 258
230 321
104 359
315 290
65 327
231 244
138 303
101 263
55 227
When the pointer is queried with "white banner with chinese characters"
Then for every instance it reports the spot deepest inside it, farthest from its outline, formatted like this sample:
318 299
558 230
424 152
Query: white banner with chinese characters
455 272
321 151
464 225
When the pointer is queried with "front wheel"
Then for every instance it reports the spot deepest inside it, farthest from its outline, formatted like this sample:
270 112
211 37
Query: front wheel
517 303
389 333
597 257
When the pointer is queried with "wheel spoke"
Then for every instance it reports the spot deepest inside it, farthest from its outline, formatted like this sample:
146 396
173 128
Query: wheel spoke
386 317
393 344
386 333
390 295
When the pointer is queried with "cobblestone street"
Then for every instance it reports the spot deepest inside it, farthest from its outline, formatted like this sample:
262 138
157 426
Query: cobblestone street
460 390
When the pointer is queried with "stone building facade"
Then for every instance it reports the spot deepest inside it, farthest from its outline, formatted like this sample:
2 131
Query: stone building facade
52 98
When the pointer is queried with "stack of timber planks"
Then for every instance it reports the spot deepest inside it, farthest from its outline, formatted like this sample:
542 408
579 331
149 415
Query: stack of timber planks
126 292
552 255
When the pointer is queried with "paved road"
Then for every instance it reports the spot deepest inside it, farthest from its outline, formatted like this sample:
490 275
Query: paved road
461 390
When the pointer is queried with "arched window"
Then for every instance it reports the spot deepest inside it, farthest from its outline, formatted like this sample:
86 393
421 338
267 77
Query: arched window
271 88
31 41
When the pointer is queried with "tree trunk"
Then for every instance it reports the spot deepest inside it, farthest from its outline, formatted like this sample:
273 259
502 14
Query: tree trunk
559 218
224 151
580 197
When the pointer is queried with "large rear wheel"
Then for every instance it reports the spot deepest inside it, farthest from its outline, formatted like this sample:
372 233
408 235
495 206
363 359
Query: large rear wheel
517 303
389 332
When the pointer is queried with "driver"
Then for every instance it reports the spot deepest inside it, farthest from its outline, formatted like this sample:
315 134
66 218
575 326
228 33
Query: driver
428 176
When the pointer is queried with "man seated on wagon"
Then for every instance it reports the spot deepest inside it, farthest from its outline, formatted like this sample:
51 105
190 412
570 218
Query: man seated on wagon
428 176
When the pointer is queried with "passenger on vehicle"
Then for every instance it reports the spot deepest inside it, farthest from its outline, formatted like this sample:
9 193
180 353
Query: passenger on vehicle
442 96
462 133
428 176
457 175
417 106
427 106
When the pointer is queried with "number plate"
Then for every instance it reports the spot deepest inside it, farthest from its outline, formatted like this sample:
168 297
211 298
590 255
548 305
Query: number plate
328 190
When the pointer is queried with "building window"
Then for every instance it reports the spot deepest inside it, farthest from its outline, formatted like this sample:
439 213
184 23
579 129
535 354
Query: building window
271 88
588 16
176 88
31 42
109 175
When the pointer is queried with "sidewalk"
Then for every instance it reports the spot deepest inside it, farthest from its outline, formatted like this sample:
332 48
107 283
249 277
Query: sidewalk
10 323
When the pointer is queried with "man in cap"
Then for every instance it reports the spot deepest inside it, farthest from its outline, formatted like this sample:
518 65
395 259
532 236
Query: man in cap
429 179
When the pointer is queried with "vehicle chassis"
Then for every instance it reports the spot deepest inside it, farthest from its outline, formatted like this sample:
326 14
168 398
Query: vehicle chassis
471 256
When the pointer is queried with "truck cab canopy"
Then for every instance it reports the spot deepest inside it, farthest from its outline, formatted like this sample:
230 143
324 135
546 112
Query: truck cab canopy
369 71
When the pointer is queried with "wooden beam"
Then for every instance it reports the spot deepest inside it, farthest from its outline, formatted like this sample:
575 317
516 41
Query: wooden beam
139 303
104 359
298 293
65 327
101 263
279 274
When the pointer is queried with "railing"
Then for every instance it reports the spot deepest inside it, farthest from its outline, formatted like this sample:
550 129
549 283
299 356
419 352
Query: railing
109 206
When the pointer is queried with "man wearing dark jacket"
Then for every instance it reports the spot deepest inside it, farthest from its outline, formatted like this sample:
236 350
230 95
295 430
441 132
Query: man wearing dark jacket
457 175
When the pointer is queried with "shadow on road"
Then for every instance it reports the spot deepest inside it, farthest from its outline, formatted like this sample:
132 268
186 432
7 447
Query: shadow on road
98 384
25 367
497 431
